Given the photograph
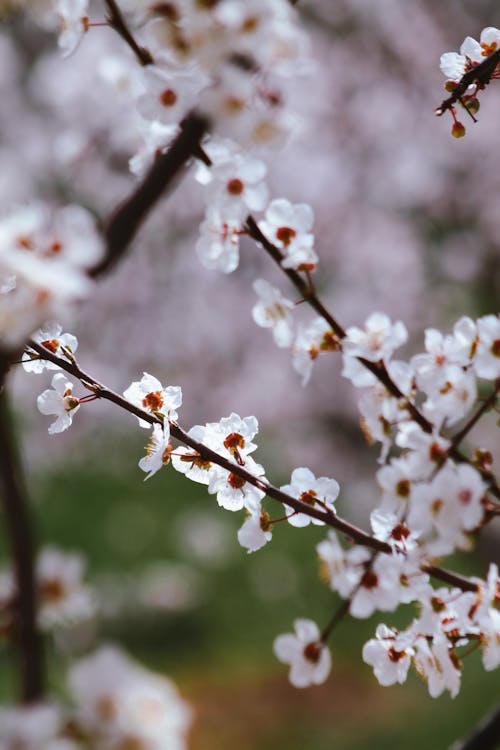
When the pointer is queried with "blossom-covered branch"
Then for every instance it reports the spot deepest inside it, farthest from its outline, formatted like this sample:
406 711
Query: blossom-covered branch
327 517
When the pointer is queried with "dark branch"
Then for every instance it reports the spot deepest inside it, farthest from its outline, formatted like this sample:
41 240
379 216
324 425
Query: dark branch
19 532
486 735
117 22
164 172
330 519
480 74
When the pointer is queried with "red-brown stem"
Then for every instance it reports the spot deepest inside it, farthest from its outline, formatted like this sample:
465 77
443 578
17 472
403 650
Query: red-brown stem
117 22
337 617
19 531
328 517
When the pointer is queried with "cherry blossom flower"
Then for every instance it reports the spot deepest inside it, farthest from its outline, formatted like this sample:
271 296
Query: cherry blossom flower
256 530
169 93
273 310
435 664
237 186
218 244
377 340
70 16
309 658
288 227
158 450
234 492
63 597
454 399
53 339
60 402
187 461
120 702
232 436
390 654
310 341
340 568
387 527
149 394
425 451
319 493
44 255
379 587
487 360
396 482
450 505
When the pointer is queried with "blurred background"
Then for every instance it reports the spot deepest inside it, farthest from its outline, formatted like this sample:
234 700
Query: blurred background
407 222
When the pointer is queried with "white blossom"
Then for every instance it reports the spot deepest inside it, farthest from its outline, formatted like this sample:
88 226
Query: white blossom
273 310
308 657
60 402
149 394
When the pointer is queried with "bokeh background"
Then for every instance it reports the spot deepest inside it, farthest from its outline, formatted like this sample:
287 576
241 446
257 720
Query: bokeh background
407 222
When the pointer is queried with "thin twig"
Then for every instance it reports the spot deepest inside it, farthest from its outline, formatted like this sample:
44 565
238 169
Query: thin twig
488 403
327 517
20 537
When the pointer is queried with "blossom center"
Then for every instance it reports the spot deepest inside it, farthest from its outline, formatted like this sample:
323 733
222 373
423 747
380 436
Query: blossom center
52 590
369 580
403 488
168 98
312 652
51 344
308 497
153 401
495 348
235 186
286 235
235 481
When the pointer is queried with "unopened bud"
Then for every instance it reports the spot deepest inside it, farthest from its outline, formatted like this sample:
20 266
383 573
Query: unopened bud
458 130
473 106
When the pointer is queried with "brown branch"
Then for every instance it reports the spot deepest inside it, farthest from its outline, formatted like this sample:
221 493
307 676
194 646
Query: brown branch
165 170
329 518
480 74
115 19
378 369
17 521
486 736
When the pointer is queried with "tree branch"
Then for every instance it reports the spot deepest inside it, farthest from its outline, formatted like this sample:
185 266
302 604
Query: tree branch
117 22
165 170
486 736
20 538
329 518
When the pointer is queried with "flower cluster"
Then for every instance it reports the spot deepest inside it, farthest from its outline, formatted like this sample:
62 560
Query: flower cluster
116 703
449 619
44 258
468 72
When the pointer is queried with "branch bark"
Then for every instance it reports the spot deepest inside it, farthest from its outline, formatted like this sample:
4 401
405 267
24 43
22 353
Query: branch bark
486 736
354 533
18 525
167 168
